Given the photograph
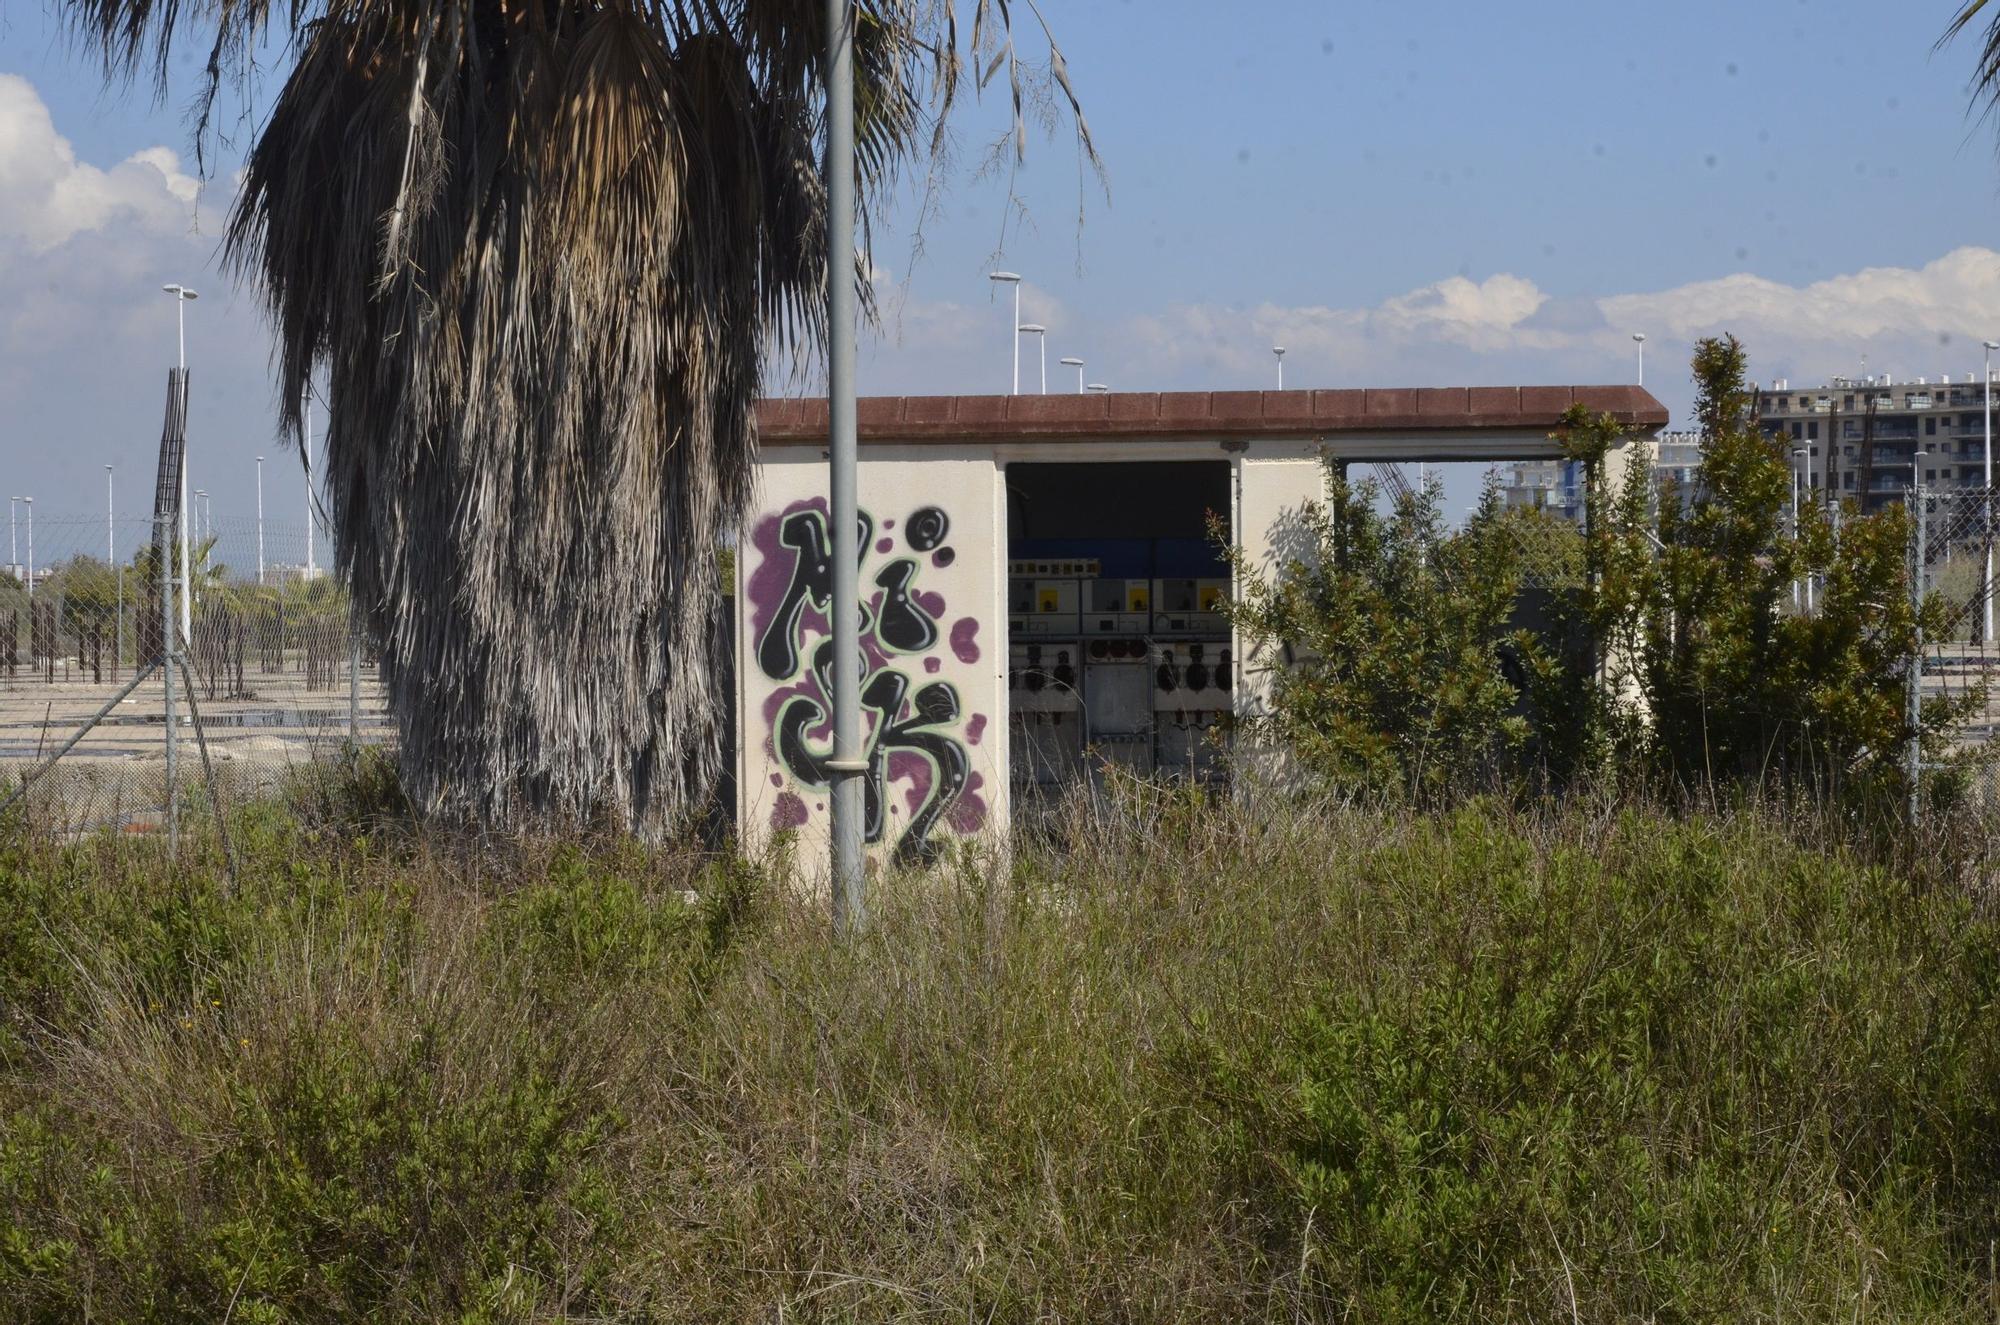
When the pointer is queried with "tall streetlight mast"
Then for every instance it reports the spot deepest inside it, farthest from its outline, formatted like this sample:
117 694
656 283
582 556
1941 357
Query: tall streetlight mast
1279 351
1041 335
1986 478
1099 386
260 521
1076 363
848 765
182 297
1639 339
306 455
1014 279
29 502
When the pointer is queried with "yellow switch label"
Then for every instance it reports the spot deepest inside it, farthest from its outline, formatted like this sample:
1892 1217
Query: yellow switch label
1051 601
1135 598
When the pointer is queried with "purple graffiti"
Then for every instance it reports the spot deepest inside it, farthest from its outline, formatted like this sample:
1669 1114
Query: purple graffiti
788 812
975 729
885 545
965 640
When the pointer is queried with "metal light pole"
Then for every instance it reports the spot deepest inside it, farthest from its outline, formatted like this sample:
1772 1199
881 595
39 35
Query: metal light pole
29 502
306 455
1986 479
1639 338
111 559
1099 386
847 766
1799 453
201 513
182 297
1077 364
1014 279
260 521
13 543
1279 350
1041 335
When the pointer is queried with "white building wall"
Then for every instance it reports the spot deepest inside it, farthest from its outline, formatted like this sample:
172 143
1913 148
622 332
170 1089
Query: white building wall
933 690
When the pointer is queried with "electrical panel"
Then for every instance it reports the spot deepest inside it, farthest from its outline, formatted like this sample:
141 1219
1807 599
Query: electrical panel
1132 672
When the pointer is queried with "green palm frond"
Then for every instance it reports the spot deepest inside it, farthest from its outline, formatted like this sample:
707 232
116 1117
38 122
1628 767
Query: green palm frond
538 253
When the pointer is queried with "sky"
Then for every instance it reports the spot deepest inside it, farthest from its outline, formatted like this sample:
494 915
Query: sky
1400 194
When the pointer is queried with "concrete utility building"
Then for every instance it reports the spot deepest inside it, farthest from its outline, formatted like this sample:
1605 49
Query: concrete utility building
1042 584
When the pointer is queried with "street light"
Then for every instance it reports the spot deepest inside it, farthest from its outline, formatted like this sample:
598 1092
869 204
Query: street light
1078 365
1279 350
1041 335
182 298
111 559
201 513
305 454
1986 478
29 502
1099 386
1013 279
1800 454
13 543
260 521
1639 339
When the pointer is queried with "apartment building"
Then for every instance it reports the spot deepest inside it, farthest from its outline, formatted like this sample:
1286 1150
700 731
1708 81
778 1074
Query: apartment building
1866 439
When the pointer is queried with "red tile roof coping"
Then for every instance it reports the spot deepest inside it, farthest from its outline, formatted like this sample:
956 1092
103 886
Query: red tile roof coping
1138 415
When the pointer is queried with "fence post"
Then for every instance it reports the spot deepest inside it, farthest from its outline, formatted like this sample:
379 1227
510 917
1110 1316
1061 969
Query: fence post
1916 683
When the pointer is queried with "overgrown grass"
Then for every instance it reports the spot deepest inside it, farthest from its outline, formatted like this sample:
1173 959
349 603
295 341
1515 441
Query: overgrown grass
1172 1063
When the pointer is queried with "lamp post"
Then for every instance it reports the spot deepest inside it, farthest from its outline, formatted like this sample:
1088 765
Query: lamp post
1077 364
1279 351
306 456
849 764
260 521
111 559
1986 479
13 543
1014 279
1041 335
200 513
1099 386
1801 455
29 502
1639 339
182 297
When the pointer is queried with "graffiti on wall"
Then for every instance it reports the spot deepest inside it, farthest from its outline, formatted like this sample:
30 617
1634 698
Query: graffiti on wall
915 728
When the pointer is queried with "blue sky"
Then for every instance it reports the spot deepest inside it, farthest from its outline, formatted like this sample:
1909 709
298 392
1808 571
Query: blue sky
1403 194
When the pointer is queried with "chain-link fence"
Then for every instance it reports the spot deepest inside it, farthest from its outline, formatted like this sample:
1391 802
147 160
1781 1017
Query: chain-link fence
268 674
1952 559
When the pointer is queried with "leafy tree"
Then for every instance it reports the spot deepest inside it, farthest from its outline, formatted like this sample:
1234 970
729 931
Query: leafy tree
540 254
1735 687
1408 671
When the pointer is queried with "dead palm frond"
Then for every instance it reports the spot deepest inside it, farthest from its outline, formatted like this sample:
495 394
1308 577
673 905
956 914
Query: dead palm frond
538 252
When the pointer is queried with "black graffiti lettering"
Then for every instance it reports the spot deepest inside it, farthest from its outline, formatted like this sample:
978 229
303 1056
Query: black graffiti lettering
812 582
936 706
901 625
926 528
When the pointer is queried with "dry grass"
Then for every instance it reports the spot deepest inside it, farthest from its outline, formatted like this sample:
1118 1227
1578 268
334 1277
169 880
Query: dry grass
1173 1063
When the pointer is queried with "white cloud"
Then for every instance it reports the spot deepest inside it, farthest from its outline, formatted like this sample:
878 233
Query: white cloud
48 197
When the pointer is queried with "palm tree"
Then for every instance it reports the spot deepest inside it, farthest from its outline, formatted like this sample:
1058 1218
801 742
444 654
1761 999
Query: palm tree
539 252
1986 81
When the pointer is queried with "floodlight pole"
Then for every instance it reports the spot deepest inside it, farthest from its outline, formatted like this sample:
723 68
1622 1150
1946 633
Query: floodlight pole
847 766
260 521
181 296
1986 637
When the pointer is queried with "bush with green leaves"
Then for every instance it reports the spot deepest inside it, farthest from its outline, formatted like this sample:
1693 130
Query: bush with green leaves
1409 669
